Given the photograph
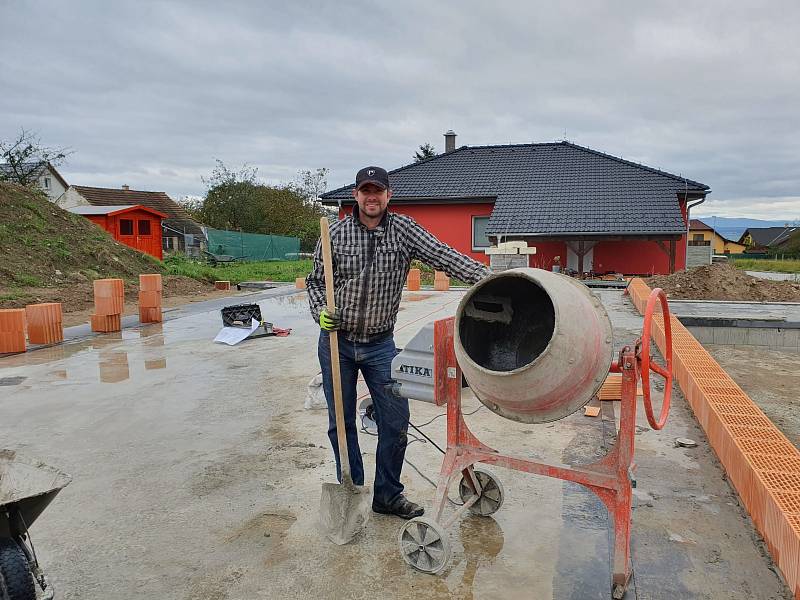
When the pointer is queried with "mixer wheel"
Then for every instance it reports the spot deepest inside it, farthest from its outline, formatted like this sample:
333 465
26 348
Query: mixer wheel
424 545
491 493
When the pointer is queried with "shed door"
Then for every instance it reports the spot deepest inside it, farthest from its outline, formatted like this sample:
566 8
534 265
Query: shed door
148 236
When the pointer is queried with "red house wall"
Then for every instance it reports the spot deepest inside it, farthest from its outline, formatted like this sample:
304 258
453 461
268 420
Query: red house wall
637 258
451 223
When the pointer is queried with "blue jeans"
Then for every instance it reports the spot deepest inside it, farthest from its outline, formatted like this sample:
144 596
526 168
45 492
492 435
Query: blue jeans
374 360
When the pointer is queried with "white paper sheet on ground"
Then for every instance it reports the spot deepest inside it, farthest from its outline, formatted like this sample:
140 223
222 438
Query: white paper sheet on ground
234 335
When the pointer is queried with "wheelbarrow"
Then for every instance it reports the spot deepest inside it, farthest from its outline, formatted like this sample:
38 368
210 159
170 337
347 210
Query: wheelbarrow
27 487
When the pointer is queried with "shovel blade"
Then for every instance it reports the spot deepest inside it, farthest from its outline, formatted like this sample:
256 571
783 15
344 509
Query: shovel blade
344 510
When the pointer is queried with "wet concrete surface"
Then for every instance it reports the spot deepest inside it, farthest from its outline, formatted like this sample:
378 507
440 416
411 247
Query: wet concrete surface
197 475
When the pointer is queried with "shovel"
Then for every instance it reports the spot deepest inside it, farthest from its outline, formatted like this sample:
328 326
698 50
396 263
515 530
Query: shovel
344 507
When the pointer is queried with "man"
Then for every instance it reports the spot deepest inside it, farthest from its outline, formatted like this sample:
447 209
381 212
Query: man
372 252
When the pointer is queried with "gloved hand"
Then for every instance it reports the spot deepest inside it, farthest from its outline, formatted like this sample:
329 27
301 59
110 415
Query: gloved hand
329 321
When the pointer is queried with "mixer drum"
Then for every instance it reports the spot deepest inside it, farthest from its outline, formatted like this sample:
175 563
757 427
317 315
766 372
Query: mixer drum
534 346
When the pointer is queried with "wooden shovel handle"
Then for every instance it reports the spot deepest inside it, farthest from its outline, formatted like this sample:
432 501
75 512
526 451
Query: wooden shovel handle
327 263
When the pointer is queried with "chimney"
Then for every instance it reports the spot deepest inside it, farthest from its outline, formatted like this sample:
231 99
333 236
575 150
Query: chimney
126 187
449 140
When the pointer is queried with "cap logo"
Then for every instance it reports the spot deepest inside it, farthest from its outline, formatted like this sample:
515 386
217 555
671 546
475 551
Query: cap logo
371 172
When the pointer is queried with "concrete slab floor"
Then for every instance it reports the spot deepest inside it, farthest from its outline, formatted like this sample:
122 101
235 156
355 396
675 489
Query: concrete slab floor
197 475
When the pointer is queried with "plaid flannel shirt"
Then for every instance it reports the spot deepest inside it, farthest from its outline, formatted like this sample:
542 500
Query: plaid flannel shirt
370 267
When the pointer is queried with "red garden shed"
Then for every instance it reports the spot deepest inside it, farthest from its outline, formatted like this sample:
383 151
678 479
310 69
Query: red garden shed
136 226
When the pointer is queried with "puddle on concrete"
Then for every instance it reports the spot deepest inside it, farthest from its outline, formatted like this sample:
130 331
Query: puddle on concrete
113 367
416 297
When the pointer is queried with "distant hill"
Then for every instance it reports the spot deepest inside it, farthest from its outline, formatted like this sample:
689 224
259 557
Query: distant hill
733 227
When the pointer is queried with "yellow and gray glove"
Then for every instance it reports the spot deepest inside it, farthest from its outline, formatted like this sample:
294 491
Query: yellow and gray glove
329 321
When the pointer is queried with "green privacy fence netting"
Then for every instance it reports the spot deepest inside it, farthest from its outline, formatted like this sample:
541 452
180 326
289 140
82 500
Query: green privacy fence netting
253 246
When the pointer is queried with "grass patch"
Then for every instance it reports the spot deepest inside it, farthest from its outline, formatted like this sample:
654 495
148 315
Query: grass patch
279 270
27 280
777 266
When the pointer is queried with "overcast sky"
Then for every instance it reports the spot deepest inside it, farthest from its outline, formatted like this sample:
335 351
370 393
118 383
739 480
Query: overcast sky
149 94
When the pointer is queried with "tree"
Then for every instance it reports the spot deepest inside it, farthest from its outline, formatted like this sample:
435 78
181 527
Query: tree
237 200
23 157
425 151
312 184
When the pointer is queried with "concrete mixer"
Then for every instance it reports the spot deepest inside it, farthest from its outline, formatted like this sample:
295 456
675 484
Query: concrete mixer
534 346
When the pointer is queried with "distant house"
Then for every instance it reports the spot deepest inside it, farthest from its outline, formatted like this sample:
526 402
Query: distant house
594 211
136 226
47 177
180 231
762 239
700 234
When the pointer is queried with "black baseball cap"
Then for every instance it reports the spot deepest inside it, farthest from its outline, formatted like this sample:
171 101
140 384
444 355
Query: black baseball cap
374 175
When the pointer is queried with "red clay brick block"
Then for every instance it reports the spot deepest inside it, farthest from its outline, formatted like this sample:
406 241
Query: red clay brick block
222 285
106 323
12 341
109 288
150 315
109 306
441 285
413 280
300 283
150 299
45 323
12 320
150 282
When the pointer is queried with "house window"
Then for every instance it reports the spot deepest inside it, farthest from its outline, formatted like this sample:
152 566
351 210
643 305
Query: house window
697 237
144 227
126 226
479 238
47 183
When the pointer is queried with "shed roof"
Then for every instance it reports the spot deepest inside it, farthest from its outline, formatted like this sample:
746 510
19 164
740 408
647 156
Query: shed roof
551 189
176 216
112 209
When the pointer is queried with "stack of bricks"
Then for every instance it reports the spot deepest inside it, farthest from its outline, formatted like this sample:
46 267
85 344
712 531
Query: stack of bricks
109 301
761 463
300 283
509 255
222 285
150 289
45 323
414 279
441 282
12 330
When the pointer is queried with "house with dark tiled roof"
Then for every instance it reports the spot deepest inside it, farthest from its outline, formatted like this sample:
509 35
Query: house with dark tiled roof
180 231
594 211
46 176
762 239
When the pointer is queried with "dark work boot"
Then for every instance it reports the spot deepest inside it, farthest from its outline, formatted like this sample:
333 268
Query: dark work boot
403 508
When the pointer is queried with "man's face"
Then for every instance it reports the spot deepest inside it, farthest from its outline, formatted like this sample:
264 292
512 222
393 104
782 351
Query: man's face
372 200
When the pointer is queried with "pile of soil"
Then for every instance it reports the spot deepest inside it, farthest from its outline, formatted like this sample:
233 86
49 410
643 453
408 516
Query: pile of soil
52 255
721 281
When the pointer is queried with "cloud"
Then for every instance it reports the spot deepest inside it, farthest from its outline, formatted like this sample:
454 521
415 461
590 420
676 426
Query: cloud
150 93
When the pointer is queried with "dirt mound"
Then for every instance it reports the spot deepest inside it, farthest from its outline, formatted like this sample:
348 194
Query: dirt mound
43 245
52 255
722 281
